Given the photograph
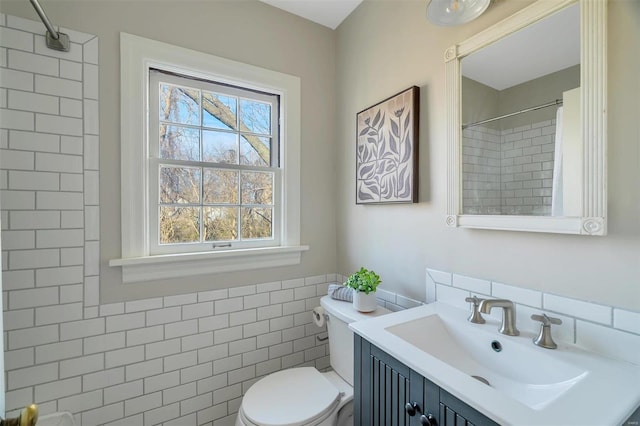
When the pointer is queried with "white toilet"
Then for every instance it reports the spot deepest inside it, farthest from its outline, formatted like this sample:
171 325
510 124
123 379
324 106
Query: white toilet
304 396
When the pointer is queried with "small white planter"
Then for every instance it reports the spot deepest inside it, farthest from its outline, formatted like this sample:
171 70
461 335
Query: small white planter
364 302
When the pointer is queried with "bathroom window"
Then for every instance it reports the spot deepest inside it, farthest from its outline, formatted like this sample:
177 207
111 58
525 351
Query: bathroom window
210 164
214 165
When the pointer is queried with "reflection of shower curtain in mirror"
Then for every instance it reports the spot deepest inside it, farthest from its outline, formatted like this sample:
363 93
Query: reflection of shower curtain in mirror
556 194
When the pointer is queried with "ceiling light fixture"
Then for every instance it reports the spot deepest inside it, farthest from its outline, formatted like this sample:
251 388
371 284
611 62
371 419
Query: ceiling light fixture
455 12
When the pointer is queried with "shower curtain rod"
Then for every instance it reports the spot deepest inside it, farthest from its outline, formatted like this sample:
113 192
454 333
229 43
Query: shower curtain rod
55 40
556 102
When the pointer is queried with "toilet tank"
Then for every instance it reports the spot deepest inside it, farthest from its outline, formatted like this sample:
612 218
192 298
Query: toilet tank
340 314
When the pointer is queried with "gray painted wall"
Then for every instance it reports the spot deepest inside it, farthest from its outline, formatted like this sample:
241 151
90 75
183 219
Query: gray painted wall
386 46
245 31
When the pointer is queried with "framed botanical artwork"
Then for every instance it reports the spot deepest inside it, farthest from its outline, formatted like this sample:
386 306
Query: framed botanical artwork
387 150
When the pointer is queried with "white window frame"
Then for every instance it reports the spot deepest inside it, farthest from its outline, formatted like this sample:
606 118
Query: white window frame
137 56
155 247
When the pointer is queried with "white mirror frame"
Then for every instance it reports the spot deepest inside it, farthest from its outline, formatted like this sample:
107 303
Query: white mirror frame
593 92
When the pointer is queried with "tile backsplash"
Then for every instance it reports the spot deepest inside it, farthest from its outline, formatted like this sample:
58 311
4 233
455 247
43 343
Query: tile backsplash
609 331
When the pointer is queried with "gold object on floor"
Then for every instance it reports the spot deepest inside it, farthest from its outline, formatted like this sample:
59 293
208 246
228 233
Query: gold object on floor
28 417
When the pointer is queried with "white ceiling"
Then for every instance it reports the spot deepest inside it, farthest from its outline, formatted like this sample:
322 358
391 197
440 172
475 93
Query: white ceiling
552 44
329 13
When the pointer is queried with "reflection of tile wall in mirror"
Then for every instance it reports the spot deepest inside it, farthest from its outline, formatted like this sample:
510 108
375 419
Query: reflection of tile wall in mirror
514 177
508 171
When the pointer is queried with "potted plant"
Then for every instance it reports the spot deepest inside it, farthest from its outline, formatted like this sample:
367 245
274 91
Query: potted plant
364 282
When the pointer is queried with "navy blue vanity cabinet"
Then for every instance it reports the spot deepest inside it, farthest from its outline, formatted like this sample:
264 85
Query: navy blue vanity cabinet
454 412
388 393
383 383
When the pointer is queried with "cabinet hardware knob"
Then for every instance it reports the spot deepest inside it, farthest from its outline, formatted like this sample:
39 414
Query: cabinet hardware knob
428 420
411 408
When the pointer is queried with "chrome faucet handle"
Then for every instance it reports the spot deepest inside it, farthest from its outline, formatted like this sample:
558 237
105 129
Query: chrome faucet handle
475 316
544 338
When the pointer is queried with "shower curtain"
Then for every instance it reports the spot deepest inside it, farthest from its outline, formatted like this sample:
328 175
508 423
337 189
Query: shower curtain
557 190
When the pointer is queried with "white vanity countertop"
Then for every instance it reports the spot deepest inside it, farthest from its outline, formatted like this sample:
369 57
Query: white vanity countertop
608 393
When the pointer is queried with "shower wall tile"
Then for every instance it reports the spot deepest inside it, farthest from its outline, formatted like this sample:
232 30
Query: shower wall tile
71 70
16 120
58 162
527 165
17 80
28 62
59 200
36 142
13 39
17 160
27 25
71 145
20 100
59 125
508 171
58 86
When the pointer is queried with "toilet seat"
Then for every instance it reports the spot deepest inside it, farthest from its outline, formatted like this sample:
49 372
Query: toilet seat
305 394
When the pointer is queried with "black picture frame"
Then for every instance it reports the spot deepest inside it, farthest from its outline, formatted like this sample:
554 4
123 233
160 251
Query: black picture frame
387 135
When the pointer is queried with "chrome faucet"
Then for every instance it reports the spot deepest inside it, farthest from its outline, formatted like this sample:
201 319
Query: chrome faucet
544 339
475 316
508 314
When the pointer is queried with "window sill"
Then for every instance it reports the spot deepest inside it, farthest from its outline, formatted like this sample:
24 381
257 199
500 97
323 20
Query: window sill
150 268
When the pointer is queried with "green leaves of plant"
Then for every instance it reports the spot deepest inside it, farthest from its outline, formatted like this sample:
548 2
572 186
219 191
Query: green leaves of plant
364 280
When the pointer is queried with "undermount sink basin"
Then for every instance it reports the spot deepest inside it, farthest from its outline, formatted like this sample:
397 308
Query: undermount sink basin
518 383
522 371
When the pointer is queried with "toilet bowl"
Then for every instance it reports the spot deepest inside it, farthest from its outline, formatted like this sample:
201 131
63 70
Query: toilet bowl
294 397
303 396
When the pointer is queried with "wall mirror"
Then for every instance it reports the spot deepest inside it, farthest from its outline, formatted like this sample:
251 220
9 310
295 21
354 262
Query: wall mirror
526 122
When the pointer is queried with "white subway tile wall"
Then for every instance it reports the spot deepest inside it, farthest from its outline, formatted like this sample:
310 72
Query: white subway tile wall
481 158
162 359
612 332
508 171
45 262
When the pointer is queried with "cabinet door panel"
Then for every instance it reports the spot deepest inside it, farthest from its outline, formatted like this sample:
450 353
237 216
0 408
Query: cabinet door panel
448 417
463 413
389 394
361 381
381 387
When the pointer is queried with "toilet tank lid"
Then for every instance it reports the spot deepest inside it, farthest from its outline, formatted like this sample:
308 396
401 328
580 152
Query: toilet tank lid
346 312
292 397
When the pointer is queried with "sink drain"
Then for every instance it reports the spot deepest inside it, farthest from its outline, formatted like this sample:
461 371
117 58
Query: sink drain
482 379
